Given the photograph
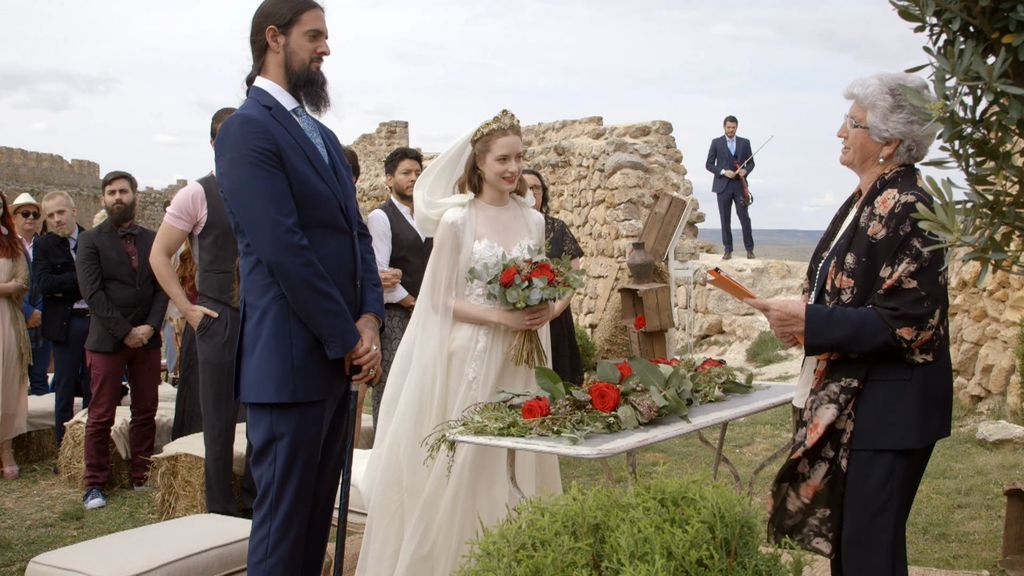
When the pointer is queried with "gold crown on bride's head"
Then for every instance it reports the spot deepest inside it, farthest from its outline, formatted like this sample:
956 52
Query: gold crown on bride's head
503 121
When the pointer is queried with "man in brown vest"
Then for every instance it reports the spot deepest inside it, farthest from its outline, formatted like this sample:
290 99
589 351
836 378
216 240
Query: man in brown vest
197 214
400 249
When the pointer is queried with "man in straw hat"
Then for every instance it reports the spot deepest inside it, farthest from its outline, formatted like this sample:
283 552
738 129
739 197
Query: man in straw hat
28 224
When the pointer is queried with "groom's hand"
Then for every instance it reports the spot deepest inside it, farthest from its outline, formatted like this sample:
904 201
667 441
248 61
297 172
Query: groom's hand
366 356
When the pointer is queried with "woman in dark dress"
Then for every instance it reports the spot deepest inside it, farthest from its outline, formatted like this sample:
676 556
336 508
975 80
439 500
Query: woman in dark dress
565 352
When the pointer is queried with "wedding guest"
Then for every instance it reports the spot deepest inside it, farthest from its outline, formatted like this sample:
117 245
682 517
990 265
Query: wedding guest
15 351
197 217
423 513
565 352
28 224
400 248
877 384
127 308
65 312
310 292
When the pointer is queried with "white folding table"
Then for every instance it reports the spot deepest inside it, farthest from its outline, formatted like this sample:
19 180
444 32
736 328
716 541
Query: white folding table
766 396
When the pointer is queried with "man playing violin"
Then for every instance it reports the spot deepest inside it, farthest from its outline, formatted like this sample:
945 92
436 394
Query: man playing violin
730 159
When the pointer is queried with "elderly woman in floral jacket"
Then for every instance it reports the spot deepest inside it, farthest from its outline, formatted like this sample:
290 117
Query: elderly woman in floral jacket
876 388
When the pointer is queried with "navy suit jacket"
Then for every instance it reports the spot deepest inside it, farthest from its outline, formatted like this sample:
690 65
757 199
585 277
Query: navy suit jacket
720 159
53 273
305 257
902 406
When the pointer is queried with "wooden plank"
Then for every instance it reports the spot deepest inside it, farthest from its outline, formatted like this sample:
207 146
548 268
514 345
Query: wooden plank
669 221
649 233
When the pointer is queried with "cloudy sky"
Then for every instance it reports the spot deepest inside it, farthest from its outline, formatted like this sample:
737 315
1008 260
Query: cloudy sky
132 85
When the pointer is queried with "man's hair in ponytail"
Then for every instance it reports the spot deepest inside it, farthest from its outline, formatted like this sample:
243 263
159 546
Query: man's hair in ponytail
281 14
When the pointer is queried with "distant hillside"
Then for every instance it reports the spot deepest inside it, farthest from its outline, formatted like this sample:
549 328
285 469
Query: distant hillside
774 244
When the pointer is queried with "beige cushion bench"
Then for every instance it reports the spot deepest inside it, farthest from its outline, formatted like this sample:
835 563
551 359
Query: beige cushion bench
200 545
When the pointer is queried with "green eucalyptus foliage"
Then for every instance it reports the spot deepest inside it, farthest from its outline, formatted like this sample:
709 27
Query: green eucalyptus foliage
976 58
665 527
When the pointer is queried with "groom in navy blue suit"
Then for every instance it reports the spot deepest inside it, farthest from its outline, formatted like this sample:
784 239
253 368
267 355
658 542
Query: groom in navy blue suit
726 154
311 299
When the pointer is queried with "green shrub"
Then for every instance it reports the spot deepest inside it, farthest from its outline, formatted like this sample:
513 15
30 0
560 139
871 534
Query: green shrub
664 527
587 349
765 349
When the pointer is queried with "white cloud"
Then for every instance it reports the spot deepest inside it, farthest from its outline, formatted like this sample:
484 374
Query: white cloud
167 140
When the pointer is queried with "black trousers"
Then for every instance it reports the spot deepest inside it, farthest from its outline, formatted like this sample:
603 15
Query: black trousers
296 461
880 490
216 343
726 199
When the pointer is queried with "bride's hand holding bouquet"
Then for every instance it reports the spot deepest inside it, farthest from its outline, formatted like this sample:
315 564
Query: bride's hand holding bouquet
527 288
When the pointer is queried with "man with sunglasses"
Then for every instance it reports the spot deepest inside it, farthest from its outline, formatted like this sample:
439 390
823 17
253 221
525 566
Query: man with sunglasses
28 223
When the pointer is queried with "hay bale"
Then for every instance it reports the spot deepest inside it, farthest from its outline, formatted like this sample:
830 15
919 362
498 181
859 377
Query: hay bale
71 459
35 446
352 544
179 485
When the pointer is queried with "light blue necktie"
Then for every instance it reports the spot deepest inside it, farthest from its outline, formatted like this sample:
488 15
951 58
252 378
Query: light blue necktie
731 143
309 127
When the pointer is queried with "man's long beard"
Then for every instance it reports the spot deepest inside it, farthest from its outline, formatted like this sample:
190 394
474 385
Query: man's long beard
123 216
307 85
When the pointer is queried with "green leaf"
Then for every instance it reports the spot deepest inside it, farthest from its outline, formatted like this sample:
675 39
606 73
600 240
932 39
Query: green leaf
627 416
648 372
550 382
607 372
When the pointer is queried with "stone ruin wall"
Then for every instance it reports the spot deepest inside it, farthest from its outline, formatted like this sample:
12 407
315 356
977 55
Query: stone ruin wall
38 174
984 326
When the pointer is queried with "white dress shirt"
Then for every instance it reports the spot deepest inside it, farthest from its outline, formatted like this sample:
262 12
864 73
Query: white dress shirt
380 230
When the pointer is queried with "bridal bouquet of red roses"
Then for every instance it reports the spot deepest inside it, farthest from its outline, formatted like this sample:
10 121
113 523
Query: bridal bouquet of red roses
521 283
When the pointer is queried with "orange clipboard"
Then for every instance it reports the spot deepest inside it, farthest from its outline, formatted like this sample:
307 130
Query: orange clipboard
729 285
732 287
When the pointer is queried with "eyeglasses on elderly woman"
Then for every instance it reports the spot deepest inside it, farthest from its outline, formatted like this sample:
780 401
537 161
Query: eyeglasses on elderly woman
852 124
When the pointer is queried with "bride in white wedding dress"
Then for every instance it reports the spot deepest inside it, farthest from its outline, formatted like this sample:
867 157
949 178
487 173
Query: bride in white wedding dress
453 355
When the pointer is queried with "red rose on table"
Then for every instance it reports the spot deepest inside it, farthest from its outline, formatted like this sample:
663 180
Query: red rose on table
709 363
536 408
640 323
604 396
508 277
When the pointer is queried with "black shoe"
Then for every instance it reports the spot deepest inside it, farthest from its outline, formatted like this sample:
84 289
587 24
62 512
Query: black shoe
727 256
750 254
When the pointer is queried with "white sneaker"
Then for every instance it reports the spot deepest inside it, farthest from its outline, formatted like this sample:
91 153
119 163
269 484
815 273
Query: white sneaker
94 499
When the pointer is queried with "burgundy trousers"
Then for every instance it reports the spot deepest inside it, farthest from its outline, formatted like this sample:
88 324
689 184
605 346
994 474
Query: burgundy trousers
107 372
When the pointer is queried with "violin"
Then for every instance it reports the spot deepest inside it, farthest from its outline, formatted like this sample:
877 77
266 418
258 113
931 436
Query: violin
748 199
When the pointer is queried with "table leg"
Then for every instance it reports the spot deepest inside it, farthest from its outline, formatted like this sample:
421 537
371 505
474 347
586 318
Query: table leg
510 464
753 475
721 458
718 450
631 464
